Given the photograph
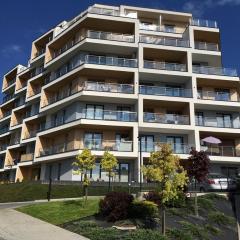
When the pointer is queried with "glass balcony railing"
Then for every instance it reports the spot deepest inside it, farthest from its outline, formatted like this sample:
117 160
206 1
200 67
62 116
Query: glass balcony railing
207 46
107 115
166 118
26 157
110 36
92 59
175 42
91 86
104 11
96 145
156 146
157 28
204 23
215 122
226 151
216 96
214 71
95 35
165 91
165 66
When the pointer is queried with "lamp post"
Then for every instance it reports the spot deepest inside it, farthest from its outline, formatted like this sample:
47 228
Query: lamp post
140 161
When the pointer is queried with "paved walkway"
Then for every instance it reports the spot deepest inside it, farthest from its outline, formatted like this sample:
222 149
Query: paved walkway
18 226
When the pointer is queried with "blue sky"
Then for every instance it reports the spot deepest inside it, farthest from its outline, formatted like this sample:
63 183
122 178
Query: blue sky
23 21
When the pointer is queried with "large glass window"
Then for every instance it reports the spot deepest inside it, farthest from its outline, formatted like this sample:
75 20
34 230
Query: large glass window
93 141
94 111
177 143
147 143
199 119
224 120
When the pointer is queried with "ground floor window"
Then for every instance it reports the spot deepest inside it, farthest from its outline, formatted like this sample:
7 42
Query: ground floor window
230 172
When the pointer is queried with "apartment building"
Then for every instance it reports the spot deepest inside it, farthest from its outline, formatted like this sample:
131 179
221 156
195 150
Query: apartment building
121 79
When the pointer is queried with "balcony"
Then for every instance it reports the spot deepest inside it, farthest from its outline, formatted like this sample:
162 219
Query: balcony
214 71
215 96
93 59
206 46
32 113
17 122
204 23
6 114
226 151
165 66
165 91
175 42
106 115
14 141
218 123
26 157
3 147
156 28
104 11
39 53
91 86
96 145
156 146
9 83
95 35
30 134
19 102
34 92
8 98
4 130
37 71
166 118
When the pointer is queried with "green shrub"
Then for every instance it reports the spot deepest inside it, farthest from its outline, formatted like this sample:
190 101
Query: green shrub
220 218
142 234
115 206
178 234
143 209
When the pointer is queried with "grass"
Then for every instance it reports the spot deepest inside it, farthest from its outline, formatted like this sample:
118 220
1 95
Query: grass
220 218
60 212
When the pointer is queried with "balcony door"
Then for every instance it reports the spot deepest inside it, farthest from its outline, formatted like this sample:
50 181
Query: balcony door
147 143
123 113
224 120
199 119
94 111
177 143
93 141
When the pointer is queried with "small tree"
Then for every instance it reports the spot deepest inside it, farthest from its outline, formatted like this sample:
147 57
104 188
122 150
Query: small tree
109 163
197 168
165 168
84 162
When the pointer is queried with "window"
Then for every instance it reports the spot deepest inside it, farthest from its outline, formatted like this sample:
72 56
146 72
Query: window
177 143
147 143
93 141
222 94
169 28
224 120
123 113
94 111
230 172
199 119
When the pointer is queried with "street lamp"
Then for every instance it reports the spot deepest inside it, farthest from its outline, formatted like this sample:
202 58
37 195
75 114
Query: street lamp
140 161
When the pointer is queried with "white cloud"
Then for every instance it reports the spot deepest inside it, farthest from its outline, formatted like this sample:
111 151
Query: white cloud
198 7
11 49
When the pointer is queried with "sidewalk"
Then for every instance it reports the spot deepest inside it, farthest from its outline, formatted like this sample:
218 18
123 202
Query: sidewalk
18 226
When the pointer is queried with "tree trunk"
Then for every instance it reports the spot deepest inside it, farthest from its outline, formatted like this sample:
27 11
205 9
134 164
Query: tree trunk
109 182
163 221
196 200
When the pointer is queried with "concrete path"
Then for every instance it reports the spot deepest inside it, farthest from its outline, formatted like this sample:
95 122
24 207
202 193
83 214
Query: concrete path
19 226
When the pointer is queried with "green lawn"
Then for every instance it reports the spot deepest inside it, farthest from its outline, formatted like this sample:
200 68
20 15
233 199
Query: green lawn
62 212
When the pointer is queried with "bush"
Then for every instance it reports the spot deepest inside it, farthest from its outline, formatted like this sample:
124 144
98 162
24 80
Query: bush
220 218
153 197
143 209
115 206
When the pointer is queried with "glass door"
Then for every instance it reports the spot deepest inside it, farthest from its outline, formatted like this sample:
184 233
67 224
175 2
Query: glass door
177 144
93 141
199 119
147 143
123 113
94 112
224 120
